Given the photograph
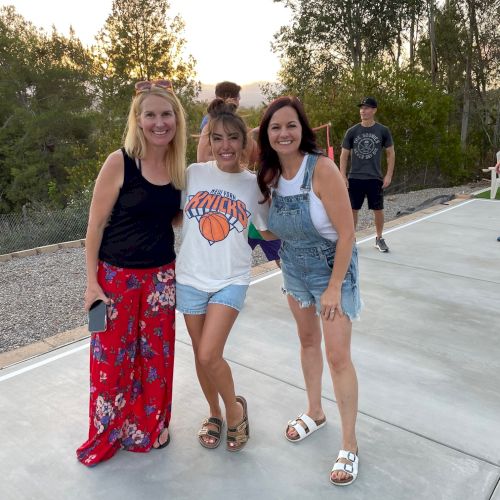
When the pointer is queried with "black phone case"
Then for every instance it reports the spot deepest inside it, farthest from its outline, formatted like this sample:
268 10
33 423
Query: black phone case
97 317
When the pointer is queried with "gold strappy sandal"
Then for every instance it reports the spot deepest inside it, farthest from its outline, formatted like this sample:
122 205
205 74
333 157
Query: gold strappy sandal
240 434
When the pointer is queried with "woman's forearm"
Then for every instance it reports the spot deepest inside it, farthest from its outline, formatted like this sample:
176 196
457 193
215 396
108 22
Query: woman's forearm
93 241
268 235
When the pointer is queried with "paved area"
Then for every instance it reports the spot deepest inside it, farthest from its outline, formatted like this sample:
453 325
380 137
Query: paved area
427 351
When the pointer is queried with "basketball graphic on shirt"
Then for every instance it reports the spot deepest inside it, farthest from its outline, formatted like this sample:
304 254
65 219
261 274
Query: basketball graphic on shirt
214 227
217 213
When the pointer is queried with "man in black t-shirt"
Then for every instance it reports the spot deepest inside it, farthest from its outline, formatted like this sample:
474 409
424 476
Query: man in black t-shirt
366 140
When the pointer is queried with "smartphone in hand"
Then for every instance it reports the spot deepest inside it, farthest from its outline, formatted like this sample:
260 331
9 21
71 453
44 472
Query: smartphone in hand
97 317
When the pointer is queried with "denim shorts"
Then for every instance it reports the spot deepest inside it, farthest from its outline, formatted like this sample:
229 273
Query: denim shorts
306 275
190 300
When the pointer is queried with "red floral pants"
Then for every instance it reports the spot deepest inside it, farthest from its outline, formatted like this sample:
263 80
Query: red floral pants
131 363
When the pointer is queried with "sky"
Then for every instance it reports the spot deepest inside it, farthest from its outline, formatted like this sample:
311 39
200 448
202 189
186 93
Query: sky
229 39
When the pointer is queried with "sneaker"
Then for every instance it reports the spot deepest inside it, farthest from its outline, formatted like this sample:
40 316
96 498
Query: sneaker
381 245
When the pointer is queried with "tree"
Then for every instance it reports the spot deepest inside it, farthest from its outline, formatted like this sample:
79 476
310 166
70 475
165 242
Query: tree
482 61
45 111
328 37
140 42
432 39
63 107
449 49
467 62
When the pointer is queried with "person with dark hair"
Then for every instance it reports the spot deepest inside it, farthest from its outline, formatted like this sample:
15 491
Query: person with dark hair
130 260
310 212
224 90
230 93
366 140
213 267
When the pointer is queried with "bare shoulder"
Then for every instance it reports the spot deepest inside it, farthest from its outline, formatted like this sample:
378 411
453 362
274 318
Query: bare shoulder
112 170
113 163
326 176
326 167
114 159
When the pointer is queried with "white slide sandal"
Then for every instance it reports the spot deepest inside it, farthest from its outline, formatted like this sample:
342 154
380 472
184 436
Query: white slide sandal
349 468
311 426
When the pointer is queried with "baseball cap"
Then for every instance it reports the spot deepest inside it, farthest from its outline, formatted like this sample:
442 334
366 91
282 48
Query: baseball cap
368 101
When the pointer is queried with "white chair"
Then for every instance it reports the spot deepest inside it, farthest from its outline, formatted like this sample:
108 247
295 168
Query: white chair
495 181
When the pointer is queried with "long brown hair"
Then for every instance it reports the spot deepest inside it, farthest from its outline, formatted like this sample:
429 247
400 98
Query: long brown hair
270 168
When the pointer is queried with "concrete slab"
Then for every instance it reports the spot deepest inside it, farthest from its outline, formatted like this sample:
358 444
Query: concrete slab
429 363
460 241
423 363
43 346
43 436
476 213
427 356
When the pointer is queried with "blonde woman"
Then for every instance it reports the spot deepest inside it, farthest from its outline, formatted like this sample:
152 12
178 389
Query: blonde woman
130 262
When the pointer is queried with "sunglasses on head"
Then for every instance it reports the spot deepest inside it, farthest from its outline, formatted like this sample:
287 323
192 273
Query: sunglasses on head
148 85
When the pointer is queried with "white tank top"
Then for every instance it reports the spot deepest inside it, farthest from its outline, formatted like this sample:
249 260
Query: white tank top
319 217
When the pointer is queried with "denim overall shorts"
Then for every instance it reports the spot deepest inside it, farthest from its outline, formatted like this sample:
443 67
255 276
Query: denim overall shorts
306 257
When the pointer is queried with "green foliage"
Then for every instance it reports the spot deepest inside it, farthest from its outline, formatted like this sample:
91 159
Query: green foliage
63 107
139 41
427 148
252 115
335 52
44 111
451 42
487 195
194 114
326 37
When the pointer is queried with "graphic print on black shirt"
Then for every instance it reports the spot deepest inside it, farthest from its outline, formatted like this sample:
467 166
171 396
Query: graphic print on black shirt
366 146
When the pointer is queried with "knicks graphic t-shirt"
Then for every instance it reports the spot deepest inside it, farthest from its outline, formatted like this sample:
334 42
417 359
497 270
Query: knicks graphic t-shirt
366 145
218 208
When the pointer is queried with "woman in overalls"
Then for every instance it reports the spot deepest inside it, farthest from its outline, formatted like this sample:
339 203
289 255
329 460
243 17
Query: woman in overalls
310 212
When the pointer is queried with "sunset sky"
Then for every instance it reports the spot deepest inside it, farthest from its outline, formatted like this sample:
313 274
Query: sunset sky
229 40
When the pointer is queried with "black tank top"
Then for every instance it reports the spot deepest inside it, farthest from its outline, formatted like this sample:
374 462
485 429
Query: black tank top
139 232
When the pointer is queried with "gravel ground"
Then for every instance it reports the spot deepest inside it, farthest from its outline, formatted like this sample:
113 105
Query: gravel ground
42 295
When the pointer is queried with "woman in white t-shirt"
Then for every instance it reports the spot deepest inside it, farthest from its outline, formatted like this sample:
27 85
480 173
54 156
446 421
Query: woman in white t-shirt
213 266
